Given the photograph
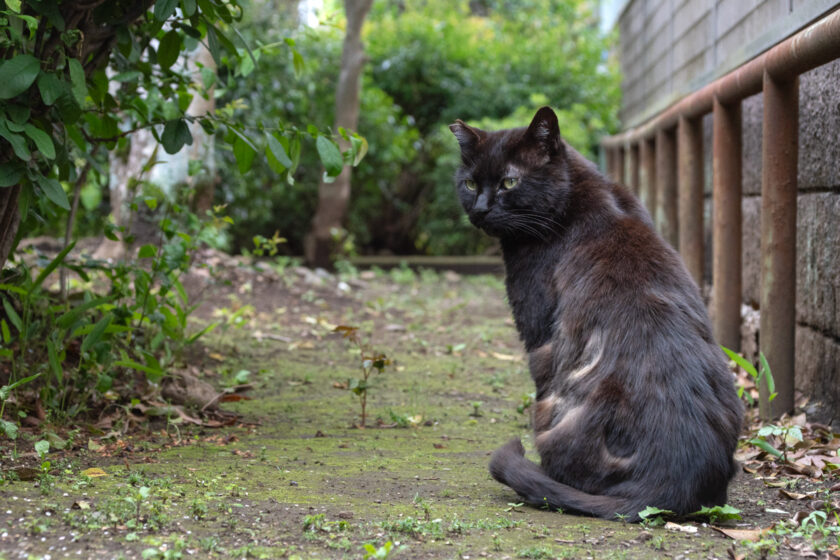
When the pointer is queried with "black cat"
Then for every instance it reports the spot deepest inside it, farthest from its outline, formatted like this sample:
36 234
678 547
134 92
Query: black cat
635 405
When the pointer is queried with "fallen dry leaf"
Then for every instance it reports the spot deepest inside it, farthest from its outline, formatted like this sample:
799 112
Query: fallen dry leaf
752 535
792 495
94 472
671 526
504 357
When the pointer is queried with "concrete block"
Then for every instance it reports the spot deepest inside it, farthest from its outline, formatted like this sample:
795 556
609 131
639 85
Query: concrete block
818 374
819 128
752 116
751 250
818 261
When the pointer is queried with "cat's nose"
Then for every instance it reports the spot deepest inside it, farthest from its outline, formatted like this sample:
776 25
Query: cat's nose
481 205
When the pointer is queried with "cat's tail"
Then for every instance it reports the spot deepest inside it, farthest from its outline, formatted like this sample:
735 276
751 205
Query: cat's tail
509 466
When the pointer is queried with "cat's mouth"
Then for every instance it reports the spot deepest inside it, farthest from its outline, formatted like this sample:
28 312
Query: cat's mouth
490 227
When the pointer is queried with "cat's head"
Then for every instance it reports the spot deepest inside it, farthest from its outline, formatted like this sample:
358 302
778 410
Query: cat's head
513 183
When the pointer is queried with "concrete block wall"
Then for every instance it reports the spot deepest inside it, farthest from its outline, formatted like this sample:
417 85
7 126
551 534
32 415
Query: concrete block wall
669 48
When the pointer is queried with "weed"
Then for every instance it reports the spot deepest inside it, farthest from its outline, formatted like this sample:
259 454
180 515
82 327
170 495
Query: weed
653 516
788 437
718 513
757 375
380 553
525 402
370 361
657 542
535 552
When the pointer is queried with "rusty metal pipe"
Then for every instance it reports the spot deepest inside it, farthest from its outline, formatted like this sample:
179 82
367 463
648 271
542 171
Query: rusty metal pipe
780 131
814 46
620 164
608 160
726 224
665 215
647 175
690 195
633 172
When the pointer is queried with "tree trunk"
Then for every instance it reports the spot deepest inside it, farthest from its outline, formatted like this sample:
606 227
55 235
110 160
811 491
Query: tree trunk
333 198
9 220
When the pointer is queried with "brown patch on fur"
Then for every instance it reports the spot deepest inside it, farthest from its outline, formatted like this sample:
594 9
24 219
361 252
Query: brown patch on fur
567 424
544 412
541 365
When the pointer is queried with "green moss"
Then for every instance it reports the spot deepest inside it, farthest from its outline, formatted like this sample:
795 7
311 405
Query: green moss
426 486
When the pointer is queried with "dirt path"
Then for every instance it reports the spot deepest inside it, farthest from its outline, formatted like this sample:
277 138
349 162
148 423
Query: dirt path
295 479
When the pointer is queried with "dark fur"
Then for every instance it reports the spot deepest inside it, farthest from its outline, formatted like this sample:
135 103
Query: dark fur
635 405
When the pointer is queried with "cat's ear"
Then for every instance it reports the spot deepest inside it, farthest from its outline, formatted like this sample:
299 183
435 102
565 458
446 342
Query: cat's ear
544 132
468 137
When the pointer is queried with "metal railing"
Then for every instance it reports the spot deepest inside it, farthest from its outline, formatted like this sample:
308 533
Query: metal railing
662 161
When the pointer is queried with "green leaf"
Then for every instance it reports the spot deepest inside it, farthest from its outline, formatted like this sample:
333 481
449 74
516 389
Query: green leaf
360 148
50 86
153 374
764 446
741 361
53 264
5 390
10 174
169 49
42 447
16 140
278 153
129 76
176 133
55 364
164 9
244 153
7 333
193 337
651 511
77 80
17 74
97 332
42 140
330 156
9 428
188 7
718 513
52 190
765 372
213 45
147 251
67 320
12 315
297 62
13 5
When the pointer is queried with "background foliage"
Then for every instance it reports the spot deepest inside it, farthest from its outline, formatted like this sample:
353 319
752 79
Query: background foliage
492 63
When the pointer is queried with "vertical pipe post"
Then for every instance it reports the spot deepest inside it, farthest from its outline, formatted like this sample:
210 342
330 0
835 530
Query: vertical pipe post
647 175
619 165
690 201
633 172
726 224
610 161
665 216
780 136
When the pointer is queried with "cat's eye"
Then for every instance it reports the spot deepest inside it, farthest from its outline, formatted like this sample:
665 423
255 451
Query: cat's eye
510 182
470 184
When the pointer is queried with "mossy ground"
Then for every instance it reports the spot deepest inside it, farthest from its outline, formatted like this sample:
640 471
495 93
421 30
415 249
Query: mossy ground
296 477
